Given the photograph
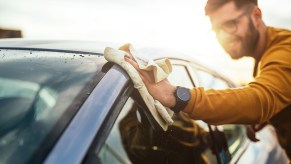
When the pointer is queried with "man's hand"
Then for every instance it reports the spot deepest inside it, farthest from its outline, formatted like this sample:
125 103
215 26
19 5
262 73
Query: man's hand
162 91
252 129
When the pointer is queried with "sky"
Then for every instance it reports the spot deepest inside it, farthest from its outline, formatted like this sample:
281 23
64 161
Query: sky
179 25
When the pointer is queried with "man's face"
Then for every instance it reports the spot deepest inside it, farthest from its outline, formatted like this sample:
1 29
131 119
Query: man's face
235 30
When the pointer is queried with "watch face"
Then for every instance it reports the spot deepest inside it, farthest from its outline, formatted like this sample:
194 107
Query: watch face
183 94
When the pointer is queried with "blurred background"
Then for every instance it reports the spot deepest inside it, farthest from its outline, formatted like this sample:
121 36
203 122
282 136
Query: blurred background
178 25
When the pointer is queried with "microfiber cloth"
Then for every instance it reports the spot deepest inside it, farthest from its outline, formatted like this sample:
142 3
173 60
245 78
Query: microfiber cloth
160 68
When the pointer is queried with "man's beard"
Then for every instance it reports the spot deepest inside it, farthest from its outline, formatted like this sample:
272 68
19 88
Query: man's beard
248 43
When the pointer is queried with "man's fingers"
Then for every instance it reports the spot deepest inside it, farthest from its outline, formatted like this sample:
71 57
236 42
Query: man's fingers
146 76
133 63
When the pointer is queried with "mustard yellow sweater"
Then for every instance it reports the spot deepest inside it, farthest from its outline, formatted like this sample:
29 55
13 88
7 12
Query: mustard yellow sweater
260 100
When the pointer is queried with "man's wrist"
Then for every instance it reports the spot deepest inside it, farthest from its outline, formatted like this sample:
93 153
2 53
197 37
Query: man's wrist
172 97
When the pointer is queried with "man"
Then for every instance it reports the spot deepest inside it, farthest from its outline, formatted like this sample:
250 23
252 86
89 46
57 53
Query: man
241 31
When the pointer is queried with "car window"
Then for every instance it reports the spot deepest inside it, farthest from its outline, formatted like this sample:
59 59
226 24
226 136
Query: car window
39 93
133 140
209 81
180 77
235 134
113 150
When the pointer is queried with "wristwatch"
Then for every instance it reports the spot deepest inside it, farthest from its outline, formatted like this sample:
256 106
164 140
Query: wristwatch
183 96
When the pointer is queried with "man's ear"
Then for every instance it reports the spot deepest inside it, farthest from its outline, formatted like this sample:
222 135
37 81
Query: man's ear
257 16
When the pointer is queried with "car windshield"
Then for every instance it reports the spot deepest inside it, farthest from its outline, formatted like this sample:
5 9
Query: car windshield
40 91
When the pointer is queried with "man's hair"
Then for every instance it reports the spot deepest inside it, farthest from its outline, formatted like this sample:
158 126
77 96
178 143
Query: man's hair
213 5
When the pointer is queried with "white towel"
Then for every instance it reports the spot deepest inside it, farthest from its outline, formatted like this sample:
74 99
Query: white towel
161 69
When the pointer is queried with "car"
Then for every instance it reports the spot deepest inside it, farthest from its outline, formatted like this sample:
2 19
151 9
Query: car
62 102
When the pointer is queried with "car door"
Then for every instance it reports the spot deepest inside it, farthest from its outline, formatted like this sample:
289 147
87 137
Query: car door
134 138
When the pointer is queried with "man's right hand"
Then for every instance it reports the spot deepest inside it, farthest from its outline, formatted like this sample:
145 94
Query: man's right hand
162 91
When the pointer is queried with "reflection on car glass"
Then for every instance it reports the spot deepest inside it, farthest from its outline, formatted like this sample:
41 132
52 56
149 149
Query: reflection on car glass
37 88
21 103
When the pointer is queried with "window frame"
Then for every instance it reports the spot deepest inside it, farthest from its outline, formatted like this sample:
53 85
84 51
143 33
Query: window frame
91 124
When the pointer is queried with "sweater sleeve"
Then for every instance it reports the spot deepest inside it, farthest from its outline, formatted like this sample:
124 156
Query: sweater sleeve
257 102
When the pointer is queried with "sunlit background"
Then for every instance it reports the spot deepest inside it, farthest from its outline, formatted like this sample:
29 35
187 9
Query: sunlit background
169 24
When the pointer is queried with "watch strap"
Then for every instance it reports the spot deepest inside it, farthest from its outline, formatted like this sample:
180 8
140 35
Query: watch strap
180 104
